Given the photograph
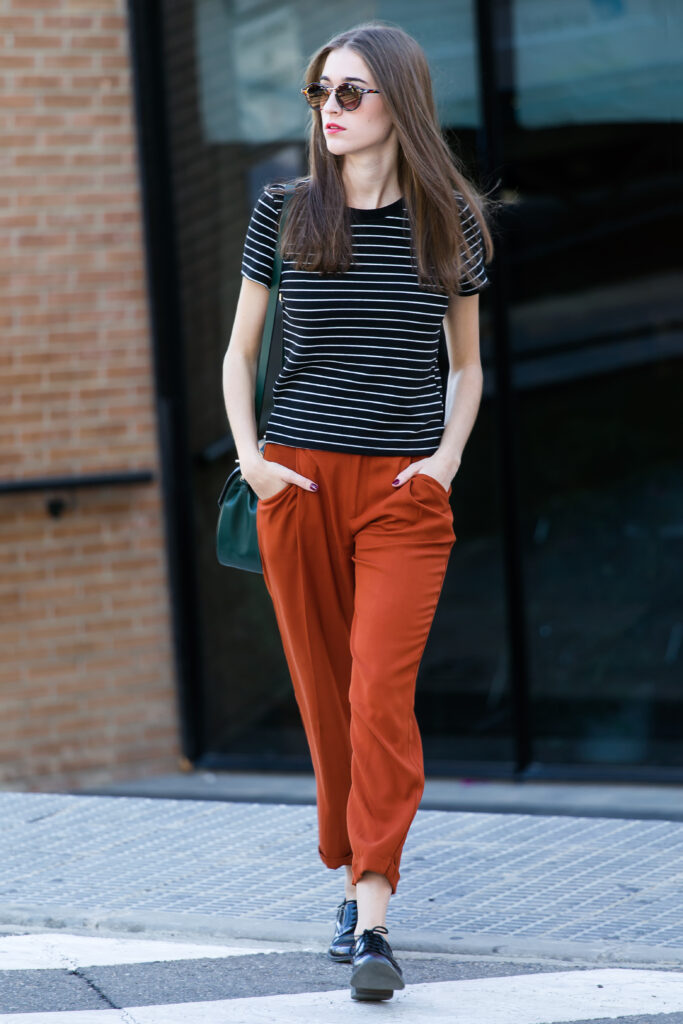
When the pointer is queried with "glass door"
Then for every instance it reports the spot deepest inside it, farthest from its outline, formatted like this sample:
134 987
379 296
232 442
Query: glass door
221 59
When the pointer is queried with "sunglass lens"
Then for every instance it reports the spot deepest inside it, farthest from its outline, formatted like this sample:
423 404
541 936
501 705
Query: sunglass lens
349 96
315 95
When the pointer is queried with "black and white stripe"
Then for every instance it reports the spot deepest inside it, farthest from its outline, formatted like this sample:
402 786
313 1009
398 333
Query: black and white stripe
360 369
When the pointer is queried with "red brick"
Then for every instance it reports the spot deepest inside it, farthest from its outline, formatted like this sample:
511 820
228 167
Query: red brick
113 22
68 99
19 101
68 21
101 82
100 159
37 42
126 138
38 82
64 139
37 5
46 160
13 61
69 259
18 220
68 298
96 119
99 6
42 241
9 141
67 61
39 120
109 41
65 181
16 23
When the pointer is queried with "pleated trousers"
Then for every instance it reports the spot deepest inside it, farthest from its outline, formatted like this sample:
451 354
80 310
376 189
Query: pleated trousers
355 571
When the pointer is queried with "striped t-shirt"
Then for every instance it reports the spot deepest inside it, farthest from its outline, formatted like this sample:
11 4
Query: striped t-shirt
360 349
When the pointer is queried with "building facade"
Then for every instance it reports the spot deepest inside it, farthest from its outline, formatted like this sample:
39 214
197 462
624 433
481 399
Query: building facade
557 648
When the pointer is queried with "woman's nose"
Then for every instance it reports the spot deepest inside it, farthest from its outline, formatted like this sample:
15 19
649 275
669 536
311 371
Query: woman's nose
331 99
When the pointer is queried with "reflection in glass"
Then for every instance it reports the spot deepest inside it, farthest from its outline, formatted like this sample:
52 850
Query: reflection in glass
597 331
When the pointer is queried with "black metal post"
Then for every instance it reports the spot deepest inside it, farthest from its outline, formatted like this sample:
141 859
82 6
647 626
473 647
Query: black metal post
145 19
494 38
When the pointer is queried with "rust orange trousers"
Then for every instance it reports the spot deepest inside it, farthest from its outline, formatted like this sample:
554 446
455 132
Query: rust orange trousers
355 571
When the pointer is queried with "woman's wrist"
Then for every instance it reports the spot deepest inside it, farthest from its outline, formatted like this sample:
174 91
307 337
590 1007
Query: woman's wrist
250 460
448 462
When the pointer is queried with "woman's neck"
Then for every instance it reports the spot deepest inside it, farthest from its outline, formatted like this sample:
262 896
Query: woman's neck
368 184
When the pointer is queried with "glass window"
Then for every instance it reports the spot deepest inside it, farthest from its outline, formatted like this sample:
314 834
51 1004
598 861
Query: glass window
594 231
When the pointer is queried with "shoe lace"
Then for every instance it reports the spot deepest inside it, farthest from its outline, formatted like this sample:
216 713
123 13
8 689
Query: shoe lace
341 909
372 939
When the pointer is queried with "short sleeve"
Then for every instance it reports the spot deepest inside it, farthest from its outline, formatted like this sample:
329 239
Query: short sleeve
476 279
258 255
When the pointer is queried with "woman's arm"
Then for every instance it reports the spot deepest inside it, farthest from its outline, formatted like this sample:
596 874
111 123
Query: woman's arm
465 380
239 369
239 387
463 390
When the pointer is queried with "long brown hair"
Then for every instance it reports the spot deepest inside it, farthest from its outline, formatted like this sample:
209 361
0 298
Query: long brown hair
317 234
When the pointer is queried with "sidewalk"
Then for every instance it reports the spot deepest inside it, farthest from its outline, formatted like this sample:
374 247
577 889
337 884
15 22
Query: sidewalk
574 888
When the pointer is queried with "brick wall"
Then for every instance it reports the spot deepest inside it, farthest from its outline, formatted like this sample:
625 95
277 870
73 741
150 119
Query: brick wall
87 689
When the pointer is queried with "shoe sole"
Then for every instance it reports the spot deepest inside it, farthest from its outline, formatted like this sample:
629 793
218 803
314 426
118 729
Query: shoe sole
342 958
375 980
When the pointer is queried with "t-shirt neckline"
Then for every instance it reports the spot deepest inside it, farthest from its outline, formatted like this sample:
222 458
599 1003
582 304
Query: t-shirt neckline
376 212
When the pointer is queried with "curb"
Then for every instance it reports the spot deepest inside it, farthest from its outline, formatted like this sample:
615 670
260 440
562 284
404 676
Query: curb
546 799
158 924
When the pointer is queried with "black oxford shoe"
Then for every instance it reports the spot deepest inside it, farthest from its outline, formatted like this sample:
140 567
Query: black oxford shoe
375 972
342 943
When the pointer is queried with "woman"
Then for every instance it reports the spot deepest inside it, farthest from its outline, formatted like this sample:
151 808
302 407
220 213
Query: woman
383 242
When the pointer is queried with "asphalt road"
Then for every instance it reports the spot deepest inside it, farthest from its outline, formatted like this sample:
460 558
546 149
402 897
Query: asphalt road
67 978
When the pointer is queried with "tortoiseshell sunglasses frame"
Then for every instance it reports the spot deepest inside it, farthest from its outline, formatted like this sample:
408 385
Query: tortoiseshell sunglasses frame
328 89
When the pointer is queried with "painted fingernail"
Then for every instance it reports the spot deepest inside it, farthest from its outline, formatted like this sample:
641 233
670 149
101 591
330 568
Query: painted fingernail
314 487
396 481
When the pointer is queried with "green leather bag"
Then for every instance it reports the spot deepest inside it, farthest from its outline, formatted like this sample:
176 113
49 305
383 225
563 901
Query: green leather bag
236 538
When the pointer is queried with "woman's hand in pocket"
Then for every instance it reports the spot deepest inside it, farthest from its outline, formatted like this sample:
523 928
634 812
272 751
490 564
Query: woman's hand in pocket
267 479
430 467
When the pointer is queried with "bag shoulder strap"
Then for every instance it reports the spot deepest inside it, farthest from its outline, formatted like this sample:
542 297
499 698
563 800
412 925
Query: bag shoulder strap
269 324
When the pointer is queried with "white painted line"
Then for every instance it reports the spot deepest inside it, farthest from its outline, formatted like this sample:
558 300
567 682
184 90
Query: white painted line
50 951
550 998
72 1017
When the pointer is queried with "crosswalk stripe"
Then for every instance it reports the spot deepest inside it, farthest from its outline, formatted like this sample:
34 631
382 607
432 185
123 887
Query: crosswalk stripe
50 951
546 998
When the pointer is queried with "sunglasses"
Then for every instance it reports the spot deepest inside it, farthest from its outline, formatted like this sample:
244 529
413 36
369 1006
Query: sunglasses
348 95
